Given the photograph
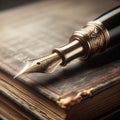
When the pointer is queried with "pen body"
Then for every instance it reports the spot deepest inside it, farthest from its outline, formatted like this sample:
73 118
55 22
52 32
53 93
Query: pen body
111 21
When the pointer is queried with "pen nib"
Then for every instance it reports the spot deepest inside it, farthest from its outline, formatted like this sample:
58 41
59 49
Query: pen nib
43 65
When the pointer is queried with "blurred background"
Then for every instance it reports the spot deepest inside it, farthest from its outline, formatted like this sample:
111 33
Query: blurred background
7 4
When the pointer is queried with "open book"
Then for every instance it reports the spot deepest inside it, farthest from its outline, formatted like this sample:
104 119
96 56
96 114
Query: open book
82 90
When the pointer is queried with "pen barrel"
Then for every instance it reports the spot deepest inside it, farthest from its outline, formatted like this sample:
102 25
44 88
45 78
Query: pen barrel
111 21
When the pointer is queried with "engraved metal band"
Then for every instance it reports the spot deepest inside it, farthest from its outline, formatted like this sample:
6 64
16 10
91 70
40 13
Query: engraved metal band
94 37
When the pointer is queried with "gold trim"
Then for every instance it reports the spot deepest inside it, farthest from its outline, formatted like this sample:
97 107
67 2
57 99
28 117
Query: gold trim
103 29
94 37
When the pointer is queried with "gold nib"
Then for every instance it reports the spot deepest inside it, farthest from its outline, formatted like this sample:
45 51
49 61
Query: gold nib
44 65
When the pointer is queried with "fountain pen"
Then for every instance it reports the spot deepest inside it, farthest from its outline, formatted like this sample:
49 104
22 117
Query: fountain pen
96 36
